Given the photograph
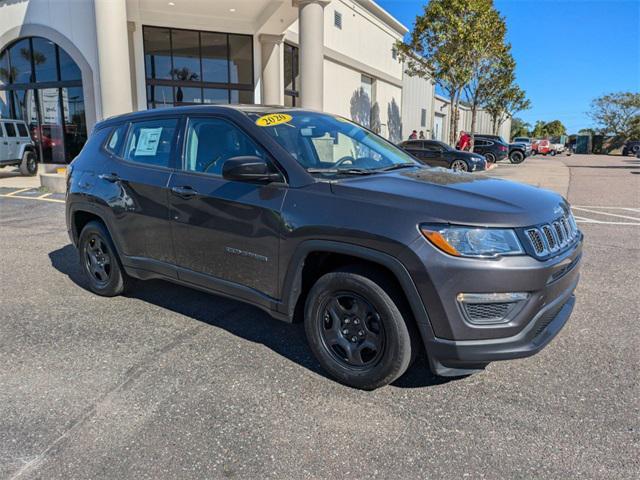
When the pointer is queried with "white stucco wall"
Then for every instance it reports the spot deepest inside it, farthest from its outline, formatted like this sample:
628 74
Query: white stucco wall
417 94
70 24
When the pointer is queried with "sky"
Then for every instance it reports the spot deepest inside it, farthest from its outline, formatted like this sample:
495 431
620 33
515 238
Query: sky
568 52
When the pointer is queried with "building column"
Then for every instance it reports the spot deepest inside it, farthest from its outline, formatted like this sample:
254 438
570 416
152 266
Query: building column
311 24
113 56
272 85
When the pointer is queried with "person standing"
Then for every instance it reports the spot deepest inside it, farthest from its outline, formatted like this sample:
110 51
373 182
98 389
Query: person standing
421 136
414 135
465 141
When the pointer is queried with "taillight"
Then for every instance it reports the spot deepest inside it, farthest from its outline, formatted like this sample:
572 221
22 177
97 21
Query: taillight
503 148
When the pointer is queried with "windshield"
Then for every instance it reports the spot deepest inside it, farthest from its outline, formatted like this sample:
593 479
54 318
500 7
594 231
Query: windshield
323 143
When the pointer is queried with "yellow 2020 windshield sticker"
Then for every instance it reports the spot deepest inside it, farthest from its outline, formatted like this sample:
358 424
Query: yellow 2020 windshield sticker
273 119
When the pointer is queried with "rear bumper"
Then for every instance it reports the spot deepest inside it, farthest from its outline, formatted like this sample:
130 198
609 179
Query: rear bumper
453 358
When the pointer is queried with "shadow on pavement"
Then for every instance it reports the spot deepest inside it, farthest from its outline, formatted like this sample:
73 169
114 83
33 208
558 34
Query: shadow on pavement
627 167
256 326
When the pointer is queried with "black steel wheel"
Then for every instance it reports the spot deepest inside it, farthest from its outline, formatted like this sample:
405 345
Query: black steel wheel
100 262
459 166
351 330
355 329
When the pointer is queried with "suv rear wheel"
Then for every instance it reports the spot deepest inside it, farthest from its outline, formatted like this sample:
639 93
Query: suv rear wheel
100 262
356 330
490 157
29 164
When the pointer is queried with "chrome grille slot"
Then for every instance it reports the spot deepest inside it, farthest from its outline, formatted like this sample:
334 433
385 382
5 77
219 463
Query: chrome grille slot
549 237
552 237
559 233
535 238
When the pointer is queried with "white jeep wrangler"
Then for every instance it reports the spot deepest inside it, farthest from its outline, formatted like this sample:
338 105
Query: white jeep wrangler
16 147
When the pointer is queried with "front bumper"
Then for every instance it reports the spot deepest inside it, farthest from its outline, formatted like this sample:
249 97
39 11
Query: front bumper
454 358
454 345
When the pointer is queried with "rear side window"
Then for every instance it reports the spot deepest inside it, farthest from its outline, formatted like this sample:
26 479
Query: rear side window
116 140
22 130
11 129
150 142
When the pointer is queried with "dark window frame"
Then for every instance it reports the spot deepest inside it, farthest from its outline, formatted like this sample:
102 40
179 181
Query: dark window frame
294 93
229 86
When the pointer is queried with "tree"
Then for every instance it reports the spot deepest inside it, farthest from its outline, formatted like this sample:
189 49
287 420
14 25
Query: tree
492 64
519 128
542 129
442 46
505 103
617 114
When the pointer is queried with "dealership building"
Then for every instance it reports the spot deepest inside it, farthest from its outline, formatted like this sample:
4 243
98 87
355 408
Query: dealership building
66 64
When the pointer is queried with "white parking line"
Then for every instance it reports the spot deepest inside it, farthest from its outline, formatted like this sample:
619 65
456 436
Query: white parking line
607 214
17 191
602 222
629 209
22 197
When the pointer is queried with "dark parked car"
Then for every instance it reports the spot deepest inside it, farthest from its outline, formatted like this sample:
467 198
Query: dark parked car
631 146
493 149
309 216
439 154
518 151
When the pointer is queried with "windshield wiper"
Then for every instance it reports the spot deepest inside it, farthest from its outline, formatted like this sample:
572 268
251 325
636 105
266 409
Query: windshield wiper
397 166
344 171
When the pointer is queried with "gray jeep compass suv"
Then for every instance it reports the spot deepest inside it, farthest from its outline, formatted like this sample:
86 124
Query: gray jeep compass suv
311 217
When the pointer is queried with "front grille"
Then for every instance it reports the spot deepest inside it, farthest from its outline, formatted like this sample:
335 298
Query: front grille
487 312
552 237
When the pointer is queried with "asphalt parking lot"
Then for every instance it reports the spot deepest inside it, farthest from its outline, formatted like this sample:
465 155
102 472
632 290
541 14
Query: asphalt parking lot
172 383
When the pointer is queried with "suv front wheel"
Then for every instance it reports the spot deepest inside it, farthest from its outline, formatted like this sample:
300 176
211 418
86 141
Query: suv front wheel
100 262
356 330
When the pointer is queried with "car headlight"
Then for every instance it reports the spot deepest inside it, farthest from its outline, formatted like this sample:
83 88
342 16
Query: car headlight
472 241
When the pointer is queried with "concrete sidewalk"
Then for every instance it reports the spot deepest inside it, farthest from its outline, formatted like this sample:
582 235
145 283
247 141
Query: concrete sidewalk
543 172
10 177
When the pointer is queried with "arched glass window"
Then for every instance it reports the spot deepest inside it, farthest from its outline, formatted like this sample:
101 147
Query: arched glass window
42 85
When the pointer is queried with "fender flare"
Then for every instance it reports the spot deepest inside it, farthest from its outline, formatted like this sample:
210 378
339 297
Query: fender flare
292 285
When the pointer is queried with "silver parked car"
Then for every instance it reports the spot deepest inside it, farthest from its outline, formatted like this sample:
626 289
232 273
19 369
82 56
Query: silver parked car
17 147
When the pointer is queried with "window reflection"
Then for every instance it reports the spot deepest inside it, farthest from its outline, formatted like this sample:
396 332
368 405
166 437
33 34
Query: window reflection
56 114
75 126
214 57
241 61
186 55
50 131
157 52
19 57
186 66
44 60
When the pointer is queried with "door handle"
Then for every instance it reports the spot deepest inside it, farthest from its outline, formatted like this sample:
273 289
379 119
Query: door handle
109 177
184 192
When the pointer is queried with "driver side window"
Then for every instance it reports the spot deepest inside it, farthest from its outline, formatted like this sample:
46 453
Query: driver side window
212 141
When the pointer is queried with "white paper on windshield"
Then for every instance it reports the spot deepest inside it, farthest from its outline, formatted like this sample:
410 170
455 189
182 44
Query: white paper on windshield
148 141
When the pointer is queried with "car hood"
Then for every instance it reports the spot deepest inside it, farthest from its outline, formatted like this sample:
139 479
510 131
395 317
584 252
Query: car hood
443 196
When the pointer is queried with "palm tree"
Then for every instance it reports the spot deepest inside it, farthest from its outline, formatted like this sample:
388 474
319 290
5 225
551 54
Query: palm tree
185 75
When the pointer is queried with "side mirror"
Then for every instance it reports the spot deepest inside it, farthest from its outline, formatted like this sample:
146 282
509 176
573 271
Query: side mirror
249 169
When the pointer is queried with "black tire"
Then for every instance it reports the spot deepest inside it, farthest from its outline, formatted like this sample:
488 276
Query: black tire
516 157
553 153
100 262
636 149
490 157
29 164
459 166
378 356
